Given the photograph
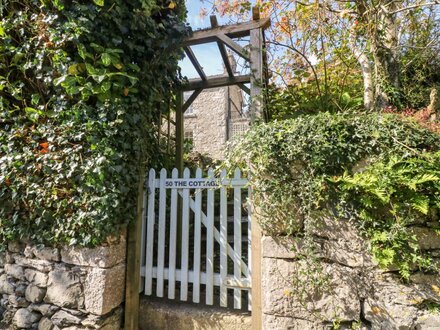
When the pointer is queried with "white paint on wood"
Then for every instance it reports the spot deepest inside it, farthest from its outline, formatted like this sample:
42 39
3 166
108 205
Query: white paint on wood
173 240
202 271
197 239
161 234
223 243
237 239
185 241
150 233
210 244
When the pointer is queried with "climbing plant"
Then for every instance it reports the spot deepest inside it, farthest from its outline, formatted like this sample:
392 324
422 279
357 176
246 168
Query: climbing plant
380 171
82 84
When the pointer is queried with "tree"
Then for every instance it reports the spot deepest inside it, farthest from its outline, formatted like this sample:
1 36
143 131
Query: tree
338 42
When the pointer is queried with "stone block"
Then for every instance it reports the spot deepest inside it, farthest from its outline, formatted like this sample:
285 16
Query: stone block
64 288
18 302
15 271
16 247
428 322
276 322
104 289
35 294
6 287
24 318
428 239
36 277
44 309
45 324
279 296
40 265
279 247
106 322
2 259
63 319
46 253
102 256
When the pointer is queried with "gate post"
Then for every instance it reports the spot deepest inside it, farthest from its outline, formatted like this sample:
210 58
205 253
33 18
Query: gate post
133 275
257 312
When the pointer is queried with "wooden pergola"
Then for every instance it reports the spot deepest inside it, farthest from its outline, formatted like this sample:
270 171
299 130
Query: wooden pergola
224 37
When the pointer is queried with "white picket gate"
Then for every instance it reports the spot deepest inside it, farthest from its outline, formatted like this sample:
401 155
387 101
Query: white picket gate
209 258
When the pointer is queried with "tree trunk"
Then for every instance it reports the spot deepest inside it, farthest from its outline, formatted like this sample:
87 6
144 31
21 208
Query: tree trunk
384 42
362 58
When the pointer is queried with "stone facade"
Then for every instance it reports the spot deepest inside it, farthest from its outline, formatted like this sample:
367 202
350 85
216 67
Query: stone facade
214 118
357 294
62 288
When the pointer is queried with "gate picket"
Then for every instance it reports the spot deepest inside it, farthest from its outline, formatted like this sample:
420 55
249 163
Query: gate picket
210 243
237 239
173 240
150 233
161 233
185 241
197 261
197 239
223 243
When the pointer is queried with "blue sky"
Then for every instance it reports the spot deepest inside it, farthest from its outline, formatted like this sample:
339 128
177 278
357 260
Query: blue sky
208 55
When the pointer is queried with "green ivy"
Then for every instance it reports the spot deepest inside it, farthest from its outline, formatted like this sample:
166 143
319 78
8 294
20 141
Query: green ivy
82 84
379 170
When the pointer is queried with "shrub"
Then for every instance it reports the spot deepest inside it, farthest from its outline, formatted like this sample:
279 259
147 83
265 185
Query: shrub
381 170
81 85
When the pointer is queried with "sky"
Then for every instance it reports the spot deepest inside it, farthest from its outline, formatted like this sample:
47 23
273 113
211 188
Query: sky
208 55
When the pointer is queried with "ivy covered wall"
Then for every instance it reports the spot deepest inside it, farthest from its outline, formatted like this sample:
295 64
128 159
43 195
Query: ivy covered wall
81 87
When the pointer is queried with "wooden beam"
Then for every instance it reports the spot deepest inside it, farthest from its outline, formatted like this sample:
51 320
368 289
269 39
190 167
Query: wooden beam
179 132
244 88
222 48
256 44
191 99
195 62
215 82
232 31
233 45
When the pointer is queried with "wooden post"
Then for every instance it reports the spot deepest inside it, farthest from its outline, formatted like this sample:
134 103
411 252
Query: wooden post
179 166
179 132
256 44
133 276
257 312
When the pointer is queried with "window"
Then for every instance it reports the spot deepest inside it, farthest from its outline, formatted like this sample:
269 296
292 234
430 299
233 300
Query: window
188 141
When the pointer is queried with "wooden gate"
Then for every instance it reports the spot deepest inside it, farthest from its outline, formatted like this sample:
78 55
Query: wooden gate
196 238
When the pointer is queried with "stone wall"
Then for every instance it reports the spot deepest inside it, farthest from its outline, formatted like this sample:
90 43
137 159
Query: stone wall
208 122
356 294
62 288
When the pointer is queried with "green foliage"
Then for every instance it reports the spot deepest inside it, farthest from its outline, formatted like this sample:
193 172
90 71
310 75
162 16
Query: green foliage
378 169
388 197
81 84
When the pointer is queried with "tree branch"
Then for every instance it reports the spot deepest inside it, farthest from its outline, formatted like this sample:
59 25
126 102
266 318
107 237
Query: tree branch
437 2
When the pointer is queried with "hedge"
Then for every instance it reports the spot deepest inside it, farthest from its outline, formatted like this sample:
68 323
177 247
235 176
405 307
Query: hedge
82 84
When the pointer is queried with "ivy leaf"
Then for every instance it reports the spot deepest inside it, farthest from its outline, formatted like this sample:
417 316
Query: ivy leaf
106 59
99 2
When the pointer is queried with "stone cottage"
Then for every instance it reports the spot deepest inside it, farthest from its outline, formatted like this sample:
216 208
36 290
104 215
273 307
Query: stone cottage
215 117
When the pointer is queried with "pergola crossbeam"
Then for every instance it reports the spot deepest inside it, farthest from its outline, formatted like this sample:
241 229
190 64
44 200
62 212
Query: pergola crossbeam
222 49
191 99
233 45
232 31
214 82
195 62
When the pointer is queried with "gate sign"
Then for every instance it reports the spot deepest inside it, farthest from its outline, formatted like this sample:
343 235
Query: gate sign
191 183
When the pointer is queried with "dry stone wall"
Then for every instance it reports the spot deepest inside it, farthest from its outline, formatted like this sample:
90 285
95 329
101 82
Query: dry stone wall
62 288
355 294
